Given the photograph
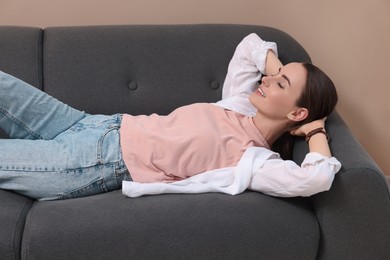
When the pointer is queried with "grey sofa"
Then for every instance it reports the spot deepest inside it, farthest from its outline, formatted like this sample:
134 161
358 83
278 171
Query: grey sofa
143 69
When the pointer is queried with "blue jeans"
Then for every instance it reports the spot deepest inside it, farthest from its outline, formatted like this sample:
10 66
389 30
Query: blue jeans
55 151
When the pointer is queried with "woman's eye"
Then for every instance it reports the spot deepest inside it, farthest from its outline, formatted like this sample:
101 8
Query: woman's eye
280 85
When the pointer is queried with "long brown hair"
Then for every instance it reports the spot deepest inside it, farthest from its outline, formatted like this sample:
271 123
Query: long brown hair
319 97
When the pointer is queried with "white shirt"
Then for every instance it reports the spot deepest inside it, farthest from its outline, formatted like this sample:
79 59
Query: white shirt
259 169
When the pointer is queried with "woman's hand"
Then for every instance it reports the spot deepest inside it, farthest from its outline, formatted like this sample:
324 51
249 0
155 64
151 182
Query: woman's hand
319 141
306 128
272 64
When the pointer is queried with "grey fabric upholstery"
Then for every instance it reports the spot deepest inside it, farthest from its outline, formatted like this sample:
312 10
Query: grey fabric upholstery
204 226
13 211
143 69
21 53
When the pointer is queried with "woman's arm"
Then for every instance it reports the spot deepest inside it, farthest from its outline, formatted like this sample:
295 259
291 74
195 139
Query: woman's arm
287 179
284 178
244 73
247 65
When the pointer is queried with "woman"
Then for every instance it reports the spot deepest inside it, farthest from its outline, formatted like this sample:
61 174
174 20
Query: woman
57 152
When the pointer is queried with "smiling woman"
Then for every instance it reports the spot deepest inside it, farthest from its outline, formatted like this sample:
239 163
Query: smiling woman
203 139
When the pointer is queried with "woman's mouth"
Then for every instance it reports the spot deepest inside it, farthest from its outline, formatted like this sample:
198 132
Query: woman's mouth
260 91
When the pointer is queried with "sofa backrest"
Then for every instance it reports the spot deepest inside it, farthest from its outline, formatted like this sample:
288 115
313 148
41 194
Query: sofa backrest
143 69
137 69
21 53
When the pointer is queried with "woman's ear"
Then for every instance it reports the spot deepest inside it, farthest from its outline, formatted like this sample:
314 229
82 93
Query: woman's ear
298 114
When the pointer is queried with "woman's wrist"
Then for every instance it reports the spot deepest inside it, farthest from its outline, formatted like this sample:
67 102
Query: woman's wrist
317 139
316 131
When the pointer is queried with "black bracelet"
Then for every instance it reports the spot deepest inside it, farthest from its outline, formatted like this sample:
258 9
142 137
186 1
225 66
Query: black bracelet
319 130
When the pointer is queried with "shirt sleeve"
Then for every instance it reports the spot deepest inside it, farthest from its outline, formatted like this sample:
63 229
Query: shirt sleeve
282 178
247 66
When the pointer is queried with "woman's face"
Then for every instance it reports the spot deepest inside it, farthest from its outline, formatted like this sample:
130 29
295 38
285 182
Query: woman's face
277 95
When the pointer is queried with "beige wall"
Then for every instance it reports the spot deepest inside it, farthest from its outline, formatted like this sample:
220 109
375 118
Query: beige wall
349 39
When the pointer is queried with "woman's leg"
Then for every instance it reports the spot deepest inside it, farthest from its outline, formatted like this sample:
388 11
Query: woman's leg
28 113
84 160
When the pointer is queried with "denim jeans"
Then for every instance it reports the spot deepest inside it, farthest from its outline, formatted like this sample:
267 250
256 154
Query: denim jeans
55 151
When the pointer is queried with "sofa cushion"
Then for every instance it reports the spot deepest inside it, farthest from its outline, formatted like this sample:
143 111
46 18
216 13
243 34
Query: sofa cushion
13 212
203 226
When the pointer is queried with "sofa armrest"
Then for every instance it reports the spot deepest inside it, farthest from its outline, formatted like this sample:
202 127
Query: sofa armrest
354 216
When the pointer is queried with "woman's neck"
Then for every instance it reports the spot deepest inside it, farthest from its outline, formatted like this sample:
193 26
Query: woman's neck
270 128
